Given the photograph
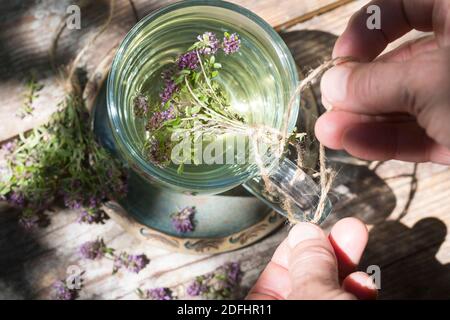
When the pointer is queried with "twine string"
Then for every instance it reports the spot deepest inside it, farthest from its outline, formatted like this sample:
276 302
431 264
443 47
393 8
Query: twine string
326 174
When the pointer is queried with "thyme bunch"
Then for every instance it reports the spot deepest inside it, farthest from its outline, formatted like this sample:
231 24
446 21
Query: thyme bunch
61 160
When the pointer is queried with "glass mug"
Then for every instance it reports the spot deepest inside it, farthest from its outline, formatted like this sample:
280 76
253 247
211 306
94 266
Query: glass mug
260 80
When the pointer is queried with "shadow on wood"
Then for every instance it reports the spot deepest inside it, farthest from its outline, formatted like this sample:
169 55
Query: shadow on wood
16 248
407 259
359 192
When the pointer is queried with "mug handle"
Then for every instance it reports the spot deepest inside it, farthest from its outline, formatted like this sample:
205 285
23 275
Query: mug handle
297 188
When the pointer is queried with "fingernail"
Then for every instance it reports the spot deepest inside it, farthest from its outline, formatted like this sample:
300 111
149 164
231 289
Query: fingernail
334 84
304 231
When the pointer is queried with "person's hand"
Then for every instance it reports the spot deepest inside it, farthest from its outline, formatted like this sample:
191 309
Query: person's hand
310 265
398 105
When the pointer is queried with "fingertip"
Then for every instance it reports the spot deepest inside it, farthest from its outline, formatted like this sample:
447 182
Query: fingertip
343 47
329 131
273 284
304 231
349 238
349 229
370 141
361 285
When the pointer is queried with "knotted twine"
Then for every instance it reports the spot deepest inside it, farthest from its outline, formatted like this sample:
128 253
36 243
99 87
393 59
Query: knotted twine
326 174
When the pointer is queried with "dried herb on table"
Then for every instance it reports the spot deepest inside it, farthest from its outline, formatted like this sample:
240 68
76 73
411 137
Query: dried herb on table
61 291
183 220
95 250
219 284
156 294
133 263
61 160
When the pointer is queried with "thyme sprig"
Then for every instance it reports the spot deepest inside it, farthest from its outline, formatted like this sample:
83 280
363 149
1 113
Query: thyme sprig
32 88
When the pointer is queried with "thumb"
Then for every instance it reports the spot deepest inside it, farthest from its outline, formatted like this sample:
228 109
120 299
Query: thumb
370 88
419 86
313 267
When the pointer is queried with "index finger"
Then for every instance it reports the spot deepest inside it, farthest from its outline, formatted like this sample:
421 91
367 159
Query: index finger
397 17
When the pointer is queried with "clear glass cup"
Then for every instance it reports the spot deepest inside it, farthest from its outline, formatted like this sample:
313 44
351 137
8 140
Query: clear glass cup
260 79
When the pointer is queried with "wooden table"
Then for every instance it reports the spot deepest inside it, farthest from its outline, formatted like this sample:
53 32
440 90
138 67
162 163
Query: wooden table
406 207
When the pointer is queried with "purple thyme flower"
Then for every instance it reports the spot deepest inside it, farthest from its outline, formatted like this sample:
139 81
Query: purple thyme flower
159 154
188 60
86 217
160 294
71 203
16 199
233 272
9 147
94 202
167 74
158 118
29 222
196 288
182 221
168 91
92 215
210 43
219 284
134 263
93 250
62 292
231 43
140 103
137 262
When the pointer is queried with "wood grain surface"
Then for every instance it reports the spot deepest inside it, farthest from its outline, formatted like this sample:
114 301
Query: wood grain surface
406 207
